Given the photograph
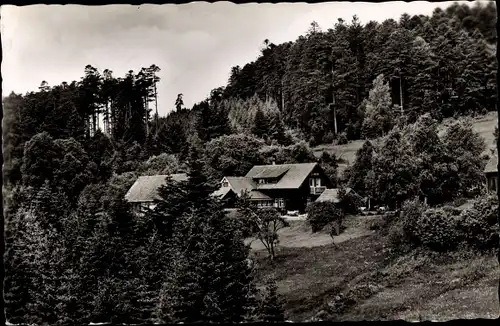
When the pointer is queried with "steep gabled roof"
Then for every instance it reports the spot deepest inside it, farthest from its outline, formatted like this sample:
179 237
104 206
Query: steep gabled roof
238 185
492 165
332 195
145 188
293 178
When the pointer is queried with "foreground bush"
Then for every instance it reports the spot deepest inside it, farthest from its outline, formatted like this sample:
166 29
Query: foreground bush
322 213
479 223
447 228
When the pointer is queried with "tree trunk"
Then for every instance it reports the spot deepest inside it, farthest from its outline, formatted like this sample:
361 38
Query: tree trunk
335 118
271 251
401 95
146 107
94 120
282 97
498 195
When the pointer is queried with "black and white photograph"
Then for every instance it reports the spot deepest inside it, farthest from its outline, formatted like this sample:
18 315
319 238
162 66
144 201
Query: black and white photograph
259 162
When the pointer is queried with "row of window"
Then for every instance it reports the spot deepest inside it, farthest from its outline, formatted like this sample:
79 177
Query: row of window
313 182
279 202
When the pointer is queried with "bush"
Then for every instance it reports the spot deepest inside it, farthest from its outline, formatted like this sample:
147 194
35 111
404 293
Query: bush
342 139
459 202
343 301
437 229
479 223
447 228
328 138
322 213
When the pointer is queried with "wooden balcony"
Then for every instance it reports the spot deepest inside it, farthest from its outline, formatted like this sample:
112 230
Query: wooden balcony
317 190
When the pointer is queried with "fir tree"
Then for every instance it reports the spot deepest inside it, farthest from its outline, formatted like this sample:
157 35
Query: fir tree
260 125
209 279
271 305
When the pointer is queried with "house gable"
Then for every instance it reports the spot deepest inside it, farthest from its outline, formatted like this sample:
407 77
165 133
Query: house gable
316 173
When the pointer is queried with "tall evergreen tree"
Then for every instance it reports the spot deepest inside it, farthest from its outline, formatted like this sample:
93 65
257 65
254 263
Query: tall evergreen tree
271 306
210 279
261 125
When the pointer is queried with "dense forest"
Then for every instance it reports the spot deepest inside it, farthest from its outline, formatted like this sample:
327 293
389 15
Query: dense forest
71 152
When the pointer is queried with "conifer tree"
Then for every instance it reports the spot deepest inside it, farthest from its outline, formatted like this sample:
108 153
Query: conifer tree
271 305
260 125
209 279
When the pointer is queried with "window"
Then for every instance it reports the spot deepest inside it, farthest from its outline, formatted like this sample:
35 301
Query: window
225 184
315 182
265 203
281 202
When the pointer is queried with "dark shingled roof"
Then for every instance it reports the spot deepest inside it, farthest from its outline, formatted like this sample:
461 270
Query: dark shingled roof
272 171
492 165
294 177
145 188
332 195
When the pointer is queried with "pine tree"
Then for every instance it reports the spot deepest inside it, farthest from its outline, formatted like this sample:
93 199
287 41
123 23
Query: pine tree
271 305
209 279
260 125
179 102
18 279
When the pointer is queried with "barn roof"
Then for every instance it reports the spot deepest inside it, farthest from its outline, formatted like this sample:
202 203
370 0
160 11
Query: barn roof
332 195
492 165
145 188
294 175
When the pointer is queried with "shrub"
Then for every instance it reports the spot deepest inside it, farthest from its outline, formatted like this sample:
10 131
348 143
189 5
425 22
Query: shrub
343 301
411 212
479 223
328 138
437 229
342 139
322 213
459 202
312 141
447 227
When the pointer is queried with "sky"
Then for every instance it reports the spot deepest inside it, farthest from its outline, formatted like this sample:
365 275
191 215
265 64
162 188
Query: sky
195 45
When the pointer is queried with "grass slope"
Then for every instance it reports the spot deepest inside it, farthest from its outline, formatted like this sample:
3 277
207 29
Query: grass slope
412 286
484 125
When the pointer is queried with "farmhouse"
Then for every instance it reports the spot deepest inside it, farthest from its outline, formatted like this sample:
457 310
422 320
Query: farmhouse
285 186
491 173
144 191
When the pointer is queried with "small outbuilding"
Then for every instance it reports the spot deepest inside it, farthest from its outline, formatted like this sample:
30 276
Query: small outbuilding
332 195
144 191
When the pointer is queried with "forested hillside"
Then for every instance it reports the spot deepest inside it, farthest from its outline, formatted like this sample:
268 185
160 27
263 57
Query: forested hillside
440 64
348 82
72 151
